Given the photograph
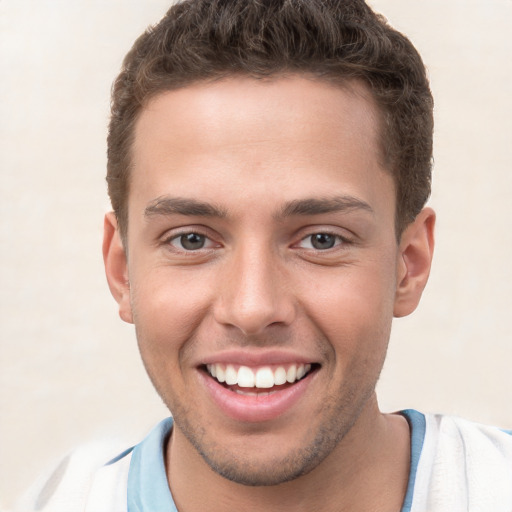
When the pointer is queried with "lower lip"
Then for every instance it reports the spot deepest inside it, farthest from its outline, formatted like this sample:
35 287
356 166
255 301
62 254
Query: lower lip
250 408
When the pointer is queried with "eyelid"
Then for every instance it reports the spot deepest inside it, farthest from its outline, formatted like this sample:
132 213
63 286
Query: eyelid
345 236
340 240
209 244
176 233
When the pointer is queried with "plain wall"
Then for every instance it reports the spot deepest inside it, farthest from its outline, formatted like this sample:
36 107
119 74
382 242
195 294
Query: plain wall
69 368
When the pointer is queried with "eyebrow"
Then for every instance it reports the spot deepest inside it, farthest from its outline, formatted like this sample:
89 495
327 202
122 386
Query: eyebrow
166 205
318 206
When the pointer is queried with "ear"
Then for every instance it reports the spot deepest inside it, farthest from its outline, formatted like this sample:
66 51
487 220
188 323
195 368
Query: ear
416 249
116 266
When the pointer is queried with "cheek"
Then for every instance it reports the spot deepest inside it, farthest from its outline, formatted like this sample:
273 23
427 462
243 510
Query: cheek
167 308
354 309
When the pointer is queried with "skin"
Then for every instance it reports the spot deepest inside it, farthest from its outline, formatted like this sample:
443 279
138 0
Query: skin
251 152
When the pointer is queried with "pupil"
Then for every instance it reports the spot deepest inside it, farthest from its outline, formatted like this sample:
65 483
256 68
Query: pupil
322 241
192 241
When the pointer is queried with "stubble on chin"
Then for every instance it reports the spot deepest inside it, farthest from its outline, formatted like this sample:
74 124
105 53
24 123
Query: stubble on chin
252 471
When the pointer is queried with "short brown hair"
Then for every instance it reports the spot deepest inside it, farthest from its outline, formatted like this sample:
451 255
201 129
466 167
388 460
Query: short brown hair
332 40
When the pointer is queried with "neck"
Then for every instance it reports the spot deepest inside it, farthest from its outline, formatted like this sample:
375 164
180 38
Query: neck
368 470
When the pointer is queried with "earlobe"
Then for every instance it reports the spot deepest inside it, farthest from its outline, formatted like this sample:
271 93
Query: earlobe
116 266
414 261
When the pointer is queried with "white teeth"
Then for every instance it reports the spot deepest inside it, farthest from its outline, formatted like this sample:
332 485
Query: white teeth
245 393
231 375
220 374
280 376
262 378
291 374
245 377
253 393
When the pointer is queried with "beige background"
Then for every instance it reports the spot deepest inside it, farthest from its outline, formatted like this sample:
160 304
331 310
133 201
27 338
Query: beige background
69 367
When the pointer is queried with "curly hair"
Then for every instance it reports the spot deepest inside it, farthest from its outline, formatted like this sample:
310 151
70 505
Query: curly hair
330 40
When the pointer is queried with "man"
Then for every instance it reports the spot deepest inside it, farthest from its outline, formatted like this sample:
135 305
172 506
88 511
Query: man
268 165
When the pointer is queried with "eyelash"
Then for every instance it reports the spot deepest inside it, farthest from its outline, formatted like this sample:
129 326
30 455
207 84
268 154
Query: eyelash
176 236
340 242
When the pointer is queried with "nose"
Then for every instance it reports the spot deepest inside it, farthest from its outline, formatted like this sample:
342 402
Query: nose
254 293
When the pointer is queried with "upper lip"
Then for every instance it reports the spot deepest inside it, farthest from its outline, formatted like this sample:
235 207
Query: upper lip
256 358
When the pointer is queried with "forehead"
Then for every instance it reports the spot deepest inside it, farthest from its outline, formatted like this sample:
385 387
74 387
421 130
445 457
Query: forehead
295 105
285 135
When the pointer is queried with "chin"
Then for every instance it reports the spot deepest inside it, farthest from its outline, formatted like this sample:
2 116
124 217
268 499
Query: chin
264 473
257 466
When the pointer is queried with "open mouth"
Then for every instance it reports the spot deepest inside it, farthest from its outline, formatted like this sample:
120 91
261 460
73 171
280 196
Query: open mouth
259 381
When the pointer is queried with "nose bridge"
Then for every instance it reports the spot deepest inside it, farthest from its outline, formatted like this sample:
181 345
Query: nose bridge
253 295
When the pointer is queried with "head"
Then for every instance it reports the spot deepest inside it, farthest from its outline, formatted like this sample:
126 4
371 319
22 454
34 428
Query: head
329 40
264 158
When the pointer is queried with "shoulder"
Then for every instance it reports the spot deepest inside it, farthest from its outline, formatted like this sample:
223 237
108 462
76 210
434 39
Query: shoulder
474 444
95 477
84 480
464 466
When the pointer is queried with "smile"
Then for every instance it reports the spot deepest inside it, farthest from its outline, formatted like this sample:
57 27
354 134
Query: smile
257 391
264 377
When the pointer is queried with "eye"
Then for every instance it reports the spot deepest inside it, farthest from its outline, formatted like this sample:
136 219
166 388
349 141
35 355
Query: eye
321 241
191 241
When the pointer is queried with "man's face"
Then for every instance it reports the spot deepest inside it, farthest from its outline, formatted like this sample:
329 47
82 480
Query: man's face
260 244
